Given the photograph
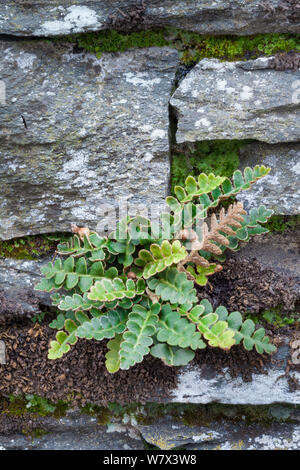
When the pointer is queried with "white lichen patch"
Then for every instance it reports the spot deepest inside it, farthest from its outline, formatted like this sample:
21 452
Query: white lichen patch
247 93
206 436
141 79
264 389
25 61
146 128
76 20
158 134
221 85
202 122
296 168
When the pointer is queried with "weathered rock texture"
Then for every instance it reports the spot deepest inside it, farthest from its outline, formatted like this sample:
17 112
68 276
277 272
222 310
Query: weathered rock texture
78 132
73 432
18 300
48 18
238 100
81 432
195 386
278 251
168 434
280 190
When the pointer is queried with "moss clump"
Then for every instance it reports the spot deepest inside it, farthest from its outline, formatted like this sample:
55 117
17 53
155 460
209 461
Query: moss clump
30 247
103 415
281 223
192 47
219 157
114 41
276 317
21 405
195 47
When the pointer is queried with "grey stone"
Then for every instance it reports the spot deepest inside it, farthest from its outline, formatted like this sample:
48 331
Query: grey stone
280 189
76 431
167 434
51 17
277 251
202 387
17 281
97 132
224 100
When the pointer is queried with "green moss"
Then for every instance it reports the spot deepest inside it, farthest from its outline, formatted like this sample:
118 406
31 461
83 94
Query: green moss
31 247
150 413
37 433
219 157
195 47
103 415
192 47
21 405
281 223
276 317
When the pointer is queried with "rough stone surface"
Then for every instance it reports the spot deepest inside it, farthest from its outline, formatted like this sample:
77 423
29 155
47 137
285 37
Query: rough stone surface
75 432
51 17
168 434
196 387
238 100
278 251
18 300
206 387
96 131
280 190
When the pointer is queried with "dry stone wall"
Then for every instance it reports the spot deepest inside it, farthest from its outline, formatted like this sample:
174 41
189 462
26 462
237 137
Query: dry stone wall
48 18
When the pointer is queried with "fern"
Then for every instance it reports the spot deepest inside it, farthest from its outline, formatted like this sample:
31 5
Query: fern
160 257
173 286
105 326
113 355
141 326
136 288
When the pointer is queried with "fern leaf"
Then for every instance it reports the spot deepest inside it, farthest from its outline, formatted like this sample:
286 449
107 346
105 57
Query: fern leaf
105 326
77 302
250 226
108 290
113 355
172 355
65 339
173 286
70 274
194 188
219 229
214 330
160 257
240 182
202 272
245 331
141 326
177 331
93 245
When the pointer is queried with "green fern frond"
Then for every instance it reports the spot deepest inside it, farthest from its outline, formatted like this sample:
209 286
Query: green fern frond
172 286
141 327
160 257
